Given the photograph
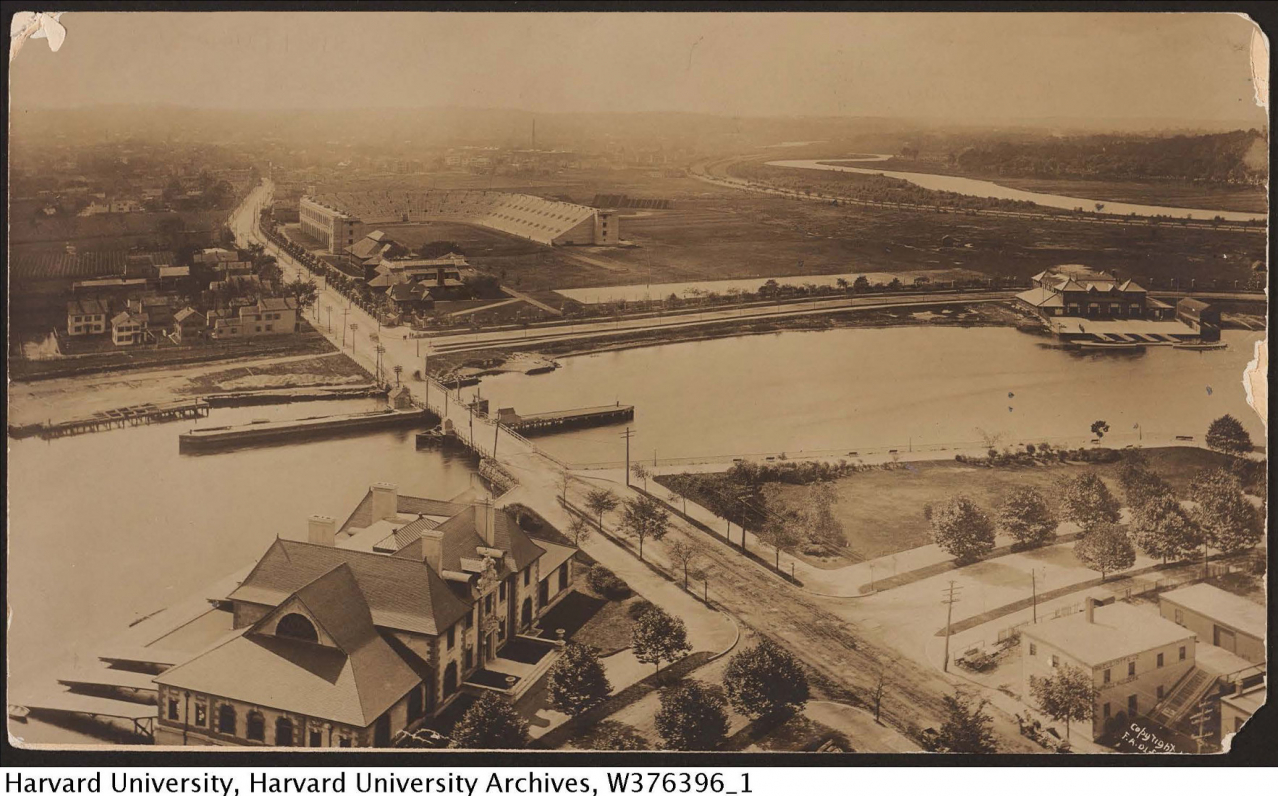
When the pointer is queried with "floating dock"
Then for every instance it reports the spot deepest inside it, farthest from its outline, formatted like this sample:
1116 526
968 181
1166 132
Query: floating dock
269 431
292 394
565 420
140 415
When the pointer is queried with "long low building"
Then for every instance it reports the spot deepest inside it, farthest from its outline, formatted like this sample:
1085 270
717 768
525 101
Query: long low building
338 219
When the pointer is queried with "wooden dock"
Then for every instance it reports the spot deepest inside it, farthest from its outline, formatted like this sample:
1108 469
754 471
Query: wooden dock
140 415
567 419
274 431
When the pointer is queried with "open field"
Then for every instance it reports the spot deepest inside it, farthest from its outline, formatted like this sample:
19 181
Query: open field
715 232
881 511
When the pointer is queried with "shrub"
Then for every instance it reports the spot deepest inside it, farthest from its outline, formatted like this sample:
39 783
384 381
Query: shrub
606 584
638 608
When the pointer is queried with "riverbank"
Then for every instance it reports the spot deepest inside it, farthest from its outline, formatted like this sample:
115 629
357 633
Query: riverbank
1237 198
65 397
938 315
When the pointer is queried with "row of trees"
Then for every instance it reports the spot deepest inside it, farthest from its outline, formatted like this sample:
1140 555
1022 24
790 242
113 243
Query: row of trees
1159 525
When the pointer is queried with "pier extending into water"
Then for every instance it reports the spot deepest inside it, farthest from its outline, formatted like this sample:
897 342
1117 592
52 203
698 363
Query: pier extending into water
566 419
140 415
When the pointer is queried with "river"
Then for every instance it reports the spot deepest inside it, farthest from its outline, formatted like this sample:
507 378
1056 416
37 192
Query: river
109 527
846 390
990 190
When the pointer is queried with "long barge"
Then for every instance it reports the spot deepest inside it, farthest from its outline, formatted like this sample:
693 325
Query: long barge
294 394
270 431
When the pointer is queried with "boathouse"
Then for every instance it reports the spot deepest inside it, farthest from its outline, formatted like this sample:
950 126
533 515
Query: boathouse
352 636
1077 290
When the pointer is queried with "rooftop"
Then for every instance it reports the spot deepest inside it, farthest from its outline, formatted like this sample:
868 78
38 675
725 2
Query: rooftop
1221 606
1119 630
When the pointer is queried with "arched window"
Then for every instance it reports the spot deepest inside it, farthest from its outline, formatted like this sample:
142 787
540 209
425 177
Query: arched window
298 627
284 731
226 719
256 730
450 678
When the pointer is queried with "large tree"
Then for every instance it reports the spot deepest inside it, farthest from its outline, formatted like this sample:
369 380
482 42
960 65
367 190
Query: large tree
693 717
644 518
820 523
577 682
1227 435
601 501
1027 517
490 723
962 529
1230 523
658 636
967 729
1106 548
1086 501
1068 695
615 736
764 680
780 535
1162 529
1139 483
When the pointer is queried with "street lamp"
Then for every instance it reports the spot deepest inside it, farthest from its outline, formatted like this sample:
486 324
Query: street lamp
354 328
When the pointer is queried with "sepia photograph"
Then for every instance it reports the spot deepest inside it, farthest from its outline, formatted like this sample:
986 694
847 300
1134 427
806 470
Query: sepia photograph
611 381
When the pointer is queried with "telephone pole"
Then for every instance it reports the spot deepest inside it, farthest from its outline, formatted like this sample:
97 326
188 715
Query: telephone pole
627 434
1034 586
951 597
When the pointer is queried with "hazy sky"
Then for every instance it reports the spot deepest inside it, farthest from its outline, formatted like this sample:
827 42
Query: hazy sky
955 66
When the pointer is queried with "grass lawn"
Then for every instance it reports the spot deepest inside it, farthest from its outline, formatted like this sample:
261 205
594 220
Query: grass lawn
881 511
589 619
798 733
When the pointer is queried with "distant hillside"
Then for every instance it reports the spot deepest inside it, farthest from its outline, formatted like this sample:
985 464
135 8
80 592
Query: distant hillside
1238 157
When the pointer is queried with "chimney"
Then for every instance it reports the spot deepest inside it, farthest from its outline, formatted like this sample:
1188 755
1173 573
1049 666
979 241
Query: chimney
433 550
321 530
385 501
486 523
1090 604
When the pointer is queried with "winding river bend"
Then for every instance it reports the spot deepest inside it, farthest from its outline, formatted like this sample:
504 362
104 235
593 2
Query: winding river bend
990 190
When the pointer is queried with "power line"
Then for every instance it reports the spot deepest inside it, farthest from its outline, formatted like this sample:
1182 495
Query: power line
951 597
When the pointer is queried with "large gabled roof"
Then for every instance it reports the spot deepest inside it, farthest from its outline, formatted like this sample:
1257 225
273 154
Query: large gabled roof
352 676
402 593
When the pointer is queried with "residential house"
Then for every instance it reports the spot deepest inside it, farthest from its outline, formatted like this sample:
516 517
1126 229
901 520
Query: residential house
269 316
128 328
86 316
156 309
356 634
371 249
1218 617
1133 657
190 325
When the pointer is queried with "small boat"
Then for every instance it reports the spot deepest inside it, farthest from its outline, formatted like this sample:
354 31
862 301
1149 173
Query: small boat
1201 346
1097 344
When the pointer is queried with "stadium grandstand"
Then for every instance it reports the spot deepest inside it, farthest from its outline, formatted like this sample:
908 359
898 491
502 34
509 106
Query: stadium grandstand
621 201
328 217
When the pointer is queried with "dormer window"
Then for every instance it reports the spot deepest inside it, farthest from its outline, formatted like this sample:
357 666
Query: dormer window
298 627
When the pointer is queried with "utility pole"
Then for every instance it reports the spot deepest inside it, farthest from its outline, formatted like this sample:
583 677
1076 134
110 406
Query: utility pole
951 597
496 432
1034 586
627 434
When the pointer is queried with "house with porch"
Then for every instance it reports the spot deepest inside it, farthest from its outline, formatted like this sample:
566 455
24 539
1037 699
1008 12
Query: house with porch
369 629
